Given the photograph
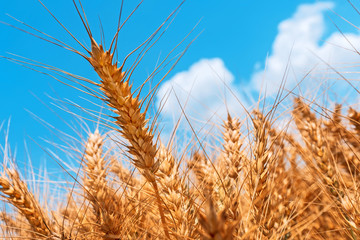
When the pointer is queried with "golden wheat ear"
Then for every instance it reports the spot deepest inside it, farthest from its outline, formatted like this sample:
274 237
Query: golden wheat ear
233 157
16 192
108 212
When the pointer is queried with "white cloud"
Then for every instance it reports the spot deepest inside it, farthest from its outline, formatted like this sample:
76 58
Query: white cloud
299 42
202 91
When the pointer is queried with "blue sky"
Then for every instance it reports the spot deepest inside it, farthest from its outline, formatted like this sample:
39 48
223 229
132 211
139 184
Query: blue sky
236 39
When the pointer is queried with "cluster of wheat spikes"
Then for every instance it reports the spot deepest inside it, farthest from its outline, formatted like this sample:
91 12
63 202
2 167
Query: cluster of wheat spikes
264 182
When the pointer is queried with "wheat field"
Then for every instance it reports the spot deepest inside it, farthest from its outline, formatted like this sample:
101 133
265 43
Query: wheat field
258 181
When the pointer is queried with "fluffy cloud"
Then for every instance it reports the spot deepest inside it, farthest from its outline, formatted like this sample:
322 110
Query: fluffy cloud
299 46
202 90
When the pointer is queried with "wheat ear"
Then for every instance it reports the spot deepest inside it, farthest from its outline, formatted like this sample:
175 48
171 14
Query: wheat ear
106 204
311 130
178 198
128 116
260 173
17 193
232 145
